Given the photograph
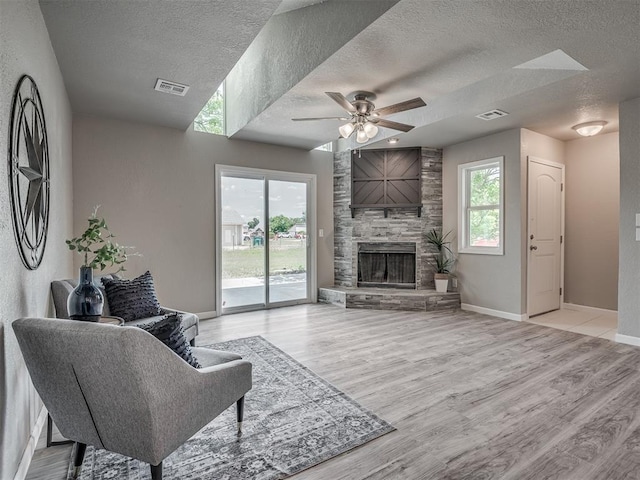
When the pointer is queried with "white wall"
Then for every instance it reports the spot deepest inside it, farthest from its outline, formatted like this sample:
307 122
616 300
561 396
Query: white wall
489 281
629 255
25 48
592 221
156 188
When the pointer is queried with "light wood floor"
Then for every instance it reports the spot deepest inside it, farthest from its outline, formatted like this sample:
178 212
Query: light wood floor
471 396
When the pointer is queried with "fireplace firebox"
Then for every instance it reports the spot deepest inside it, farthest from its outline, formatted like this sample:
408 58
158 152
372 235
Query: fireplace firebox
387 265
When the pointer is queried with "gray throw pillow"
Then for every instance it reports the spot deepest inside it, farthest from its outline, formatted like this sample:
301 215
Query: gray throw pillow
169 331
132 299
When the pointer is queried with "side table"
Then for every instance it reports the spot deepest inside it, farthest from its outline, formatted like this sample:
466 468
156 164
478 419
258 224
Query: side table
105 319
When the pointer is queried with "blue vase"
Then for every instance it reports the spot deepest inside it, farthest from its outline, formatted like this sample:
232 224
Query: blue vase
85 302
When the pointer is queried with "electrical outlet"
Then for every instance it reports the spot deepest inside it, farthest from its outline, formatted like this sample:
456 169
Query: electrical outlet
454 282
321 232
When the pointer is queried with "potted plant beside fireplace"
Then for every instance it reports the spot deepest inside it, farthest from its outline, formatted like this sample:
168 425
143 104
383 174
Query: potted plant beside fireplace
443 261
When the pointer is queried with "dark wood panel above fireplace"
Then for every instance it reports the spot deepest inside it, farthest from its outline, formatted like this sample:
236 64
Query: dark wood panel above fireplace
385 179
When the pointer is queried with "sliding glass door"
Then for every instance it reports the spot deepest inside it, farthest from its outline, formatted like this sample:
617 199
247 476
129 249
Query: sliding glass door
264 253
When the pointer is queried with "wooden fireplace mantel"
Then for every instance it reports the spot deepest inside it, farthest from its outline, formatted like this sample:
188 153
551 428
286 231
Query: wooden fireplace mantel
385 207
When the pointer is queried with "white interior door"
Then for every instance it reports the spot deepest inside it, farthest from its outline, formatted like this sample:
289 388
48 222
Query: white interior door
545 235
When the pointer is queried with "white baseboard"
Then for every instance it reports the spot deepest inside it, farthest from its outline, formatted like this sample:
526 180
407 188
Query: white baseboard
584 308
496 313
29 450
207 315
628 339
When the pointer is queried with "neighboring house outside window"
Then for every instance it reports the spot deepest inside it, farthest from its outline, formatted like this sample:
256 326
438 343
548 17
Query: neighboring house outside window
481 207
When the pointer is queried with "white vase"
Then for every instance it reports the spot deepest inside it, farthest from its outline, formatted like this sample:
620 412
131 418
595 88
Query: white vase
442 282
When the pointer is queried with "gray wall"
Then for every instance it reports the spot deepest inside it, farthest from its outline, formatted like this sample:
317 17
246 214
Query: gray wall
25 48
489 281
629 272
592 221
498 282
156 189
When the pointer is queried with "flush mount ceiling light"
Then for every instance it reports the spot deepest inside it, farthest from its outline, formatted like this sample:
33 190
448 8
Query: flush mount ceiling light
589 129
364 117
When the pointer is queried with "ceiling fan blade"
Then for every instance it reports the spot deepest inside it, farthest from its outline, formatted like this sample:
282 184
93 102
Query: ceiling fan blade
400 107
403 127
319 118
342 101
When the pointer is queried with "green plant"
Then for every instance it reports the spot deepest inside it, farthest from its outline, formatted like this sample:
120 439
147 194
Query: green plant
444 260
211 118
97 246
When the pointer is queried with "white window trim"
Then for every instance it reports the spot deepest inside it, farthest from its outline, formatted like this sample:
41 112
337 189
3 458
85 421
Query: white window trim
463 168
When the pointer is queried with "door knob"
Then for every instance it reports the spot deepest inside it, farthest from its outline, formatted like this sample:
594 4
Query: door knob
533 247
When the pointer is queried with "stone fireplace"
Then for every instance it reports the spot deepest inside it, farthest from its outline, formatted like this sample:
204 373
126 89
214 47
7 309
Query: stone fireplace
400 226
381 257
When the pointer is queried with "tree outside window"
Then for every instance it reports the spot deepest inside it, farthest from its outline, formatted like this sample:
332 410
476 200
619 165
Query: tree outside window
211 117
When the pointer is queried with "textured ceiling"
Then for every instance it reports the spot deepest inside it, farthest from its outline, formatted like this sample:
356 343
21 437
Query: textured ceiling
111 52
578 59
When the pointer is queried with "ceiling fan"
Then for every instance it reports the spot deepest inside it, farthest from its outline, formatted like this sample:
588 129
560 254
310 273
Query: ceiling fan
364 118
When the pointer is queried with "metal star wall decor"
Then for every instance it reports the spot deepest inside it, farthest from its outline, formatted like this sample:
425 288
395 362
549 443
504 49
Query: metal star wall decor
29 172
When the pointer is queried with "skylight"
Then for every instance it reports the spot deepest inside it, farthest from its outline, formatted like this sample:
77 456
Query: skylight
211 117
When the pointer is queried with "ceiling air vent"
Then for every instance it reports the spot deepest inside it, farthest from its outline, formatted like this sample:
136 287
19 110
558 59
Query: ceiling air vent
492 114
171 87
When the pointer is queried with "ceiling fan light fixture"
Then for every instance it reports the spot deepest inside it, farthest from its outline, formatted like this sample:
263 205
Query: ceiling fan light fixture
361 135
370 129
589 129
346 130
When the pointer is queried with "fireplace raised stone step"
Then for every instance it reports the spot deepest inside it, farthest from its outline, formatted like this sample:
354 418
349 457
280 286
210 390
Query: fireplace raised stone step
389 298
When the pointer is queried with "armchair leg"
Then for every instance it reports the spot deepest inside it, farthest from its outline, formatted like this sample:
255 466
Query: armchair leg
50 442
78 458
240 412
156 471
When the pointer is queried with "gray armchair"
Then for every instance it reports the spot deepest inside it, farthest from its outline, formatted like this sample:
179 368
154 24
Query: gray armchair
121 389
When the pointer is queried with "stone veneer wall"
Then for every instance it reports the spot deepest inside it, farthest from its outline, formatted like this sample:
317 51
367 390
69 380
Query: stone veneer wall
370 225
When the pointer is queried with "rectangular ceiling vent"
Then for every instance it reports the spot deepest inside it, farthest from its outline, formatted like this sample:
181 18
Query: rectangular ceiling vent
171 87
492 114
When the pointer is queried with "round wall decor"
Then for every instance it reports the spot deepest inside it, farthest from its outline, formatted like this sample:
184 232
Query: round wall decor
28 160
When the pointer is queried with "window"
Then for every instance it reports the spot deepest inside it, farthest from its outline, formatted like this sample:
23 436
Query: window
481 214
327 147
211 118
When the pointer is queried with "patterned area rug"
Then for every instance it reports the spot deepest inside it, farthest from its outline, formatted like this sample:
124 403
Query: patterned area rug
293 420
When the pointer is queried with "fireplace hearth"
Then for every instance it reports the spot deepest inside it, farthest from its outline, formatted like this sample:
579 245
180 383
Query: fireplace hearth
387 264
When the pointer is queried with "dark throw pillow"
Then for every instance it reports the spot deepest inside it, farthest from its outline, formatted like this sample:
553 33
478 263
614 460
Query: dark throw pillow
169 331
132 299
